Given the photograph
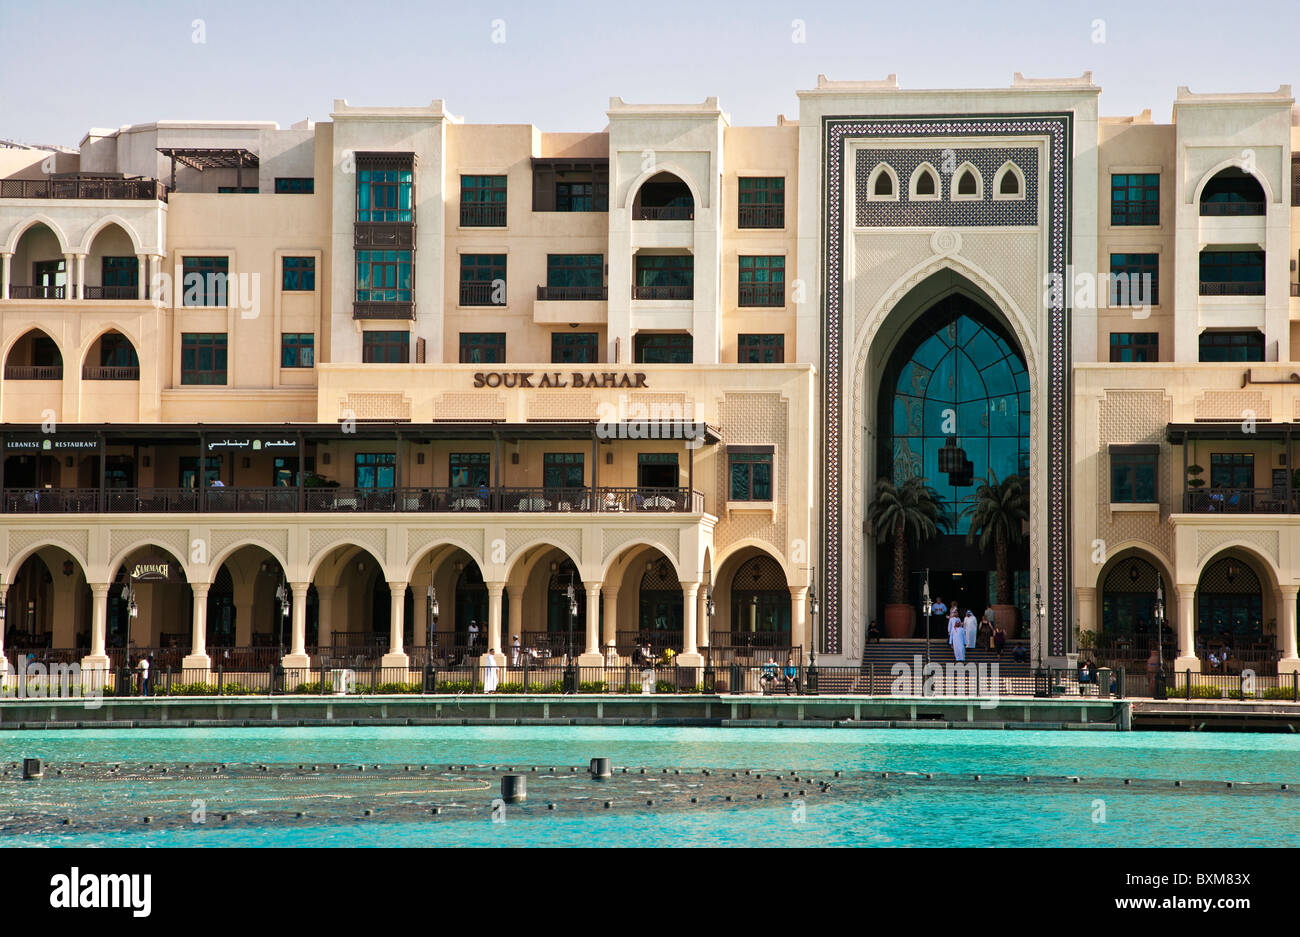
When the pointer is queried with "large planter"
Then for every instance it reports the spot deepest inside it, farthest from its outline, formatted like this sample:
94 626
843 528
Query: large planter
1006 617
900 621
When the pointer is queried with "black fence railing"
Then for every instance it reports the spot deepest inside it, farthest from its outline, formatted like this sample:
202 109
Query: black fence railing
1240 501
664 212
1232 288
482 294
482 216
96 373
281 500
84 188
572 293
1221 209
111 292
760 216
678 291
761 294
33 372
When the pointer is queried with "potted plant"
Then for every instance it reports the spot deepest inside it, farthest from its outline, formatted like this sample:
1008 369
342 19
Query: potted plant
908 515
998 514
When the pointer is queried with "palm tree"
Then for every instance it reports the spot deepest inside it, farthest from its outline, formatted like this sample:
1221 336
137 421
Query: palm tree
908 514
998 513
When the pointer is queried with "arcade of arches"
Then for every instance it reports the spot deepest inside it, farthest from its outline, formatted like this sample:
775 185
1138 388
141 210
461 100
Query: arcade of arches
1238 610
251 611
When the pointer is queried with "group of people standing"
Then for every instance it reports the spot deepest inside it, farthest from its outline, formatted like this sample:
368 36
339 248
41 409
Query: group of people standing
966 631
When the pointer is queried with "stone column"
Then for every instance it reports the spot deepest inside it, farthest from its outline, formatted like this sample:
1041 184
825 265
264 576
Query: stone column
610 598
4 661
69 268
498 658
592 656
81 278
1187 659
97 659
6 263
155 262
1086 596
690 655
799 618
324 616
396 656
516 596
141 275
198 658
297 657
1286 630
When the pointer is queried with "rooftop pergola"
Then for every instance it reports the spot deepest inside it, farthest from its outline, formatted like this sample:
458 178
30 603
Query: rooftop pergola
201 159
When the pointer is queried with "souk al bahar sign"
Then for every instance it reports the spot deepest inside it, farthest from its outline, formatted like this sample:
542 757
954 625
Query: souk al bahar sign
592 379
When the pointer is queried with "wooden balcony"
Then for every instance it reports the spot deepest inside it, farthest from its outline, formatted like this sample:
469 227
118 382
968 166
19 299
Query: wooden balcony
110 292
761 216
94 373
40 372
37 292
372 310
665 213
572 293
762 294
677 292
1233 288
87 187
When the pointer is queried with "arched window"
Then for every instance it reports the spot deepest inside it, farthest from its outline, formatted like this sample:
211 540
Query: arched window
967 184
925 182
1233 191
1229 604
1010 182
884 184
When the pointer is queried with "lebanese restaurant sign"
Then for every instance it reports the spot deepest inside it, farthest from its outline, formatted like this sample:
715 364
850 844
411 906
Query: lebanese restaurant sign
51 443
559 379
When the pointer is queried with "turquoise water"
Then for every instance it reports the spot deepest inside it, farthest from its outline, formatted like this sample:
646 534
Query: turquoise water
951 809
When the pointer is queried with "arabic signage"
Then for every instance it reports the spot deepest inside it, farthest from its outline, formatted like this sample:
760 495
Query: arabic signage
559 379
254 443
51 443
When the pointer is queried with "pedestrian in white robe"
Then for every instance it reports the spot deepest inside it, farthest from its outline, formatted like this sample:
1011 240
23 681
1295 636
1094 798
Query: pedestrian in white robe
957 637
971 626
490 675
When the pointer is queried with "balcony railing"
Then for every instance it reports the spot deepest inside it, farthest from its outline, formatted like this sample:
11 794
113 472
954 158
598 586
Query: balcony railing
84 188
37 292
478 294
761 216
111 292
93 373
1233 288
371 310
762 294
665 213
664 292
40 372
571 293
1240 501
1221 209
482 216
282 500
384 235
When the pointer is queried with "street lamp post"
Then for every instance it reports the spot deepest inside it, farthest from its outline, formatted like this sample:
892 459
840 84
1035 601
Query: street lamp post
1160 690
132 612
812 648
927 609
4 659
282 596
430 628
710 678
1041 684
570 672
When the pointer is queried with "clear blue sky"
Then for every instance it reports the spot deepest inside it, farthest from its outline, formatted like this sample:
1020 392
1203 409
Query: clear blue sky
68 65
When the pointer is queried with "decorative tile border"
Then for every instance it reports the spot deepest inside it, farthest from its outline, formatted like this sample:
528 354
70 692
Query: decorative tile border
943 211
837 131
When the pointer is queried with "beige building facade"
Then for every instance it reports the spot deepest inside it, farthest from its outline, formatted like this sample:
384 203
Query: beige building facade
401 386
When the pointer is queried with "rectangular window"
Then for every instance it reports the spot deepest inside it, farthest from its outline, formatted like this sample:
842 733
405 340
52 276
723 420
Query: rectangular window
1133 474
570 185
1135 346
385 195
295 185
562 469
664 276
49 274
376 469
204 280
657 470
574 348
482 347
482 201
749 473
1232 273
482 279
760 349
761 202
189 470
665 348
385 347
1232 346
575 277
118 276
1135 199
298 274
469 469
762 281
384 277
203 358
1135 279
1232 470
297 349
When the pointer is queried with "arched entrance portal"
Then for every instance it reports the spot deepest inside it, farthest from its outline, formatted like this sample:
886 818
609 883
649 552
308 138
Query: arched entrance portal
953 407
1229 605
